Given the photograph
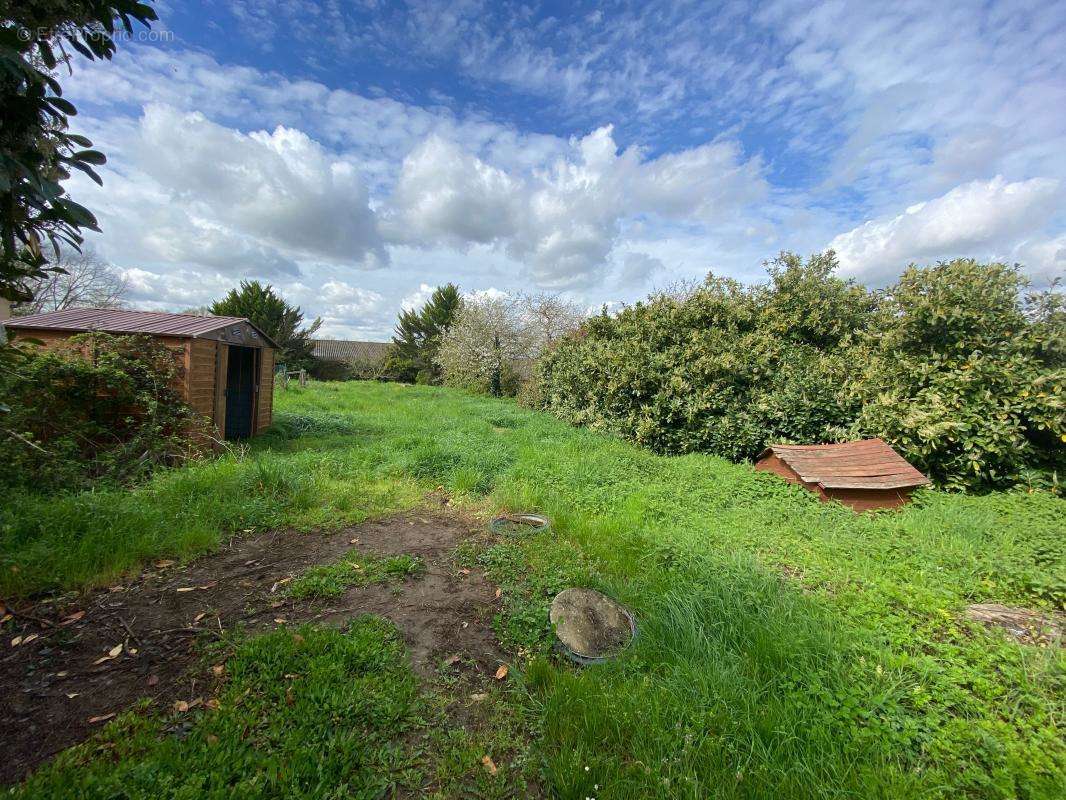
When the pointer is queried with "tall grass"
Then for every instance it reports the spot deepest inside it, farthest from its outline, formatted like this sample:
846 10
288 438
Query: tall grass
787 648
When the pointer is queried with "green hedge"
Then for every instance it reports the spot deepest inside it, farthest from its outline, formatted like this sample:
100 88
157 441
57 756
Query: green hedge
953 366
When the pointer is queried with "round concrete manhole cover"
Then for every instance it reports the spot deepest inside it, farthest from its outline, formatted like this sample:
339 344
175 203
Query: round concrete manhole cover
590 625
519 524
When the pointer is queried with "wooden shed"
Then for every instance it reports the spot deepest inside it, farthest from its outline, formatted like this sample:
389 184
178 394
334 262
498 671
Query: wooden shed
228 363
864 475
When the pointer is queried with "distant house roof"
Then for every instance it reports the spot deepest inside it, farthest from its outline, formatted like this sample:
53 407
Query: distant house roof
110 320
866 464
347 350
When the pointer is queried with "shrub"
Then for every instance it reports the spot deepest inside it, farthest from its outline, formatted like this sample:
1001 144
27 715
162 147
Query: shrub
725 369
953 366
97 409
966 375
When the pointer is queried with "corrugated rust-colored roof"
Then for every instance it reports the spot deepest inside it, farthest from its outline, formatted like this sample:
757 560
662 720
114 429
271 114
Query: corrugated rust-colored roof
347 350
112 320
866 464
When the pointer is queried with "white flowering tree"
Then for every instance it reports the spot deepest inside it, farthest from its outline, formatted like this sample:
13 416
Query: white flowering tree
494 339
479 350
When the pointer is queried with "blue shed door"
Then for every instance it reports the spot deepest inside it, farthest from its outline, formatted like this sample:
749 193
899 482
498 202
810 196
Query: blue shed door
240 391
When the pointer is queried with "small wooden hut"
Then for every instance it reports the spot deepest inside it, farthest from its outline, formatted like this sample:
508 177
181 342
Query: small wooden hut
228 363
864 475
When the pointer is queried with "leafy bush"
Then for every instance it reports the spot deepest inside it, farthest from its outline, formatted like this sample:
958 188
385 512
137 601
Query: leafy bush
97 409
726 369
952 366
965 375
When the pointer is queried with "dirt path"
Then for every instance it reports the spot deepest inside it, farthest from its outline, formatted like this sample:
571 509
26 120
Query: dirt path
62 676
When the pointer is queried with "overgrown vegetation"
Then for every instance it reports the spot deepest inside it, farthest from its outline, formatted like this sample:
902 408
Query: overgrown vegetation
787 648
954 366
97 410
355 569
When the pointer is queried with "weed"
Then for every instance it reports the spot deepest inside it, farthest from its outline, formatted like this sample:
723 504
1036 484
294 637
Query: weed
331 580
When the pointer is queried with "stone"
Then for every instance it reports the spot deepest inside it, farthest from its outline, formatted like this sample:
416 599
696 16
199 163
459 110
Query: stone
590 624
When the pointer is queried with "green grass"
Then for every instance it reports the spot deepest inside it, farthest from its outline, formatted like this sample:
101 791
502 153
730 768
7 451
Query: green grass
331 580
787 648
314 713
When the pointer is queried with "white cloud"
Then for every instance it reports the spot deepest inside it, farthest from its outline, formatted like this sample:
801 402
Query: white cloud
281 187
563 219
977 218
417 298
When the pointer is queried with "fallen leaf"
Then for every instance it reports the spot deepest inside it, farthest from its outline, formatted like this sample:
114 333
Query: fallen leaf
213 703
464 571
164 563
353 541
501 673
6 618
249 563
153 680
277 604
29 638
16 641
181 706
117 589
72 618
282 582
101 660
186 589
72 695
101 718
62 674
289 697
115 651
211 585
489 765
211 738
477 697
132 651
498 593
452 660
199 616
279 620
218 669
464 625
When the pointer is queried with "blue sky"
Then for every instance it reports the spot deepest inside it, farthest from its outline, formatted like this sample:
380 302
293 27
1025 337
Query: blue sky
358 154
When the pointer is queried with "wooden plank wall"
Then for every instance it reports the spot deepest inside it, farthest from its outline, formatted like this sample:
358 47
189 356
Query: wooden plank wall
266 390
200 375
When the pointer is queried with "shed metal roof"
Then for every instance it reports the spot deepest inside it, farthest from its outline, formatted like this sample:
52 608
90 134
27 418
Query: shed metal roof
866 464
110 320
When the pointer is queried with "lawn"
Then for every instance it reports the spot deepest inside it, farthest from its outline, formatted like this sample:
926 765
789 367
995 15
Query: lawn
787 648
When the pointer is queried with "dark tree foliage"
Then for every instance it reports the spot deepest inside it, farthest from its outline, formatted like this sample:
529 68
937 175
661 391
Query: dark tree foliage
412 357
37 152
268 311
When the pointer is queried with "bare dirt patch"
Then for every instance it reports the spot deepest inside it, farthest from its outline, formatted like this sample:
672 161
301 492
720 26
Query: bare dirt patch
66 675
1023 624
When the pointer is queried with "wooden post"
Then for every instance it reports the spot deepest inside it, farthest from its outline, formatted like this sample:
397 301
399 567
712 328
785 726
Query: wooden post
303 377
